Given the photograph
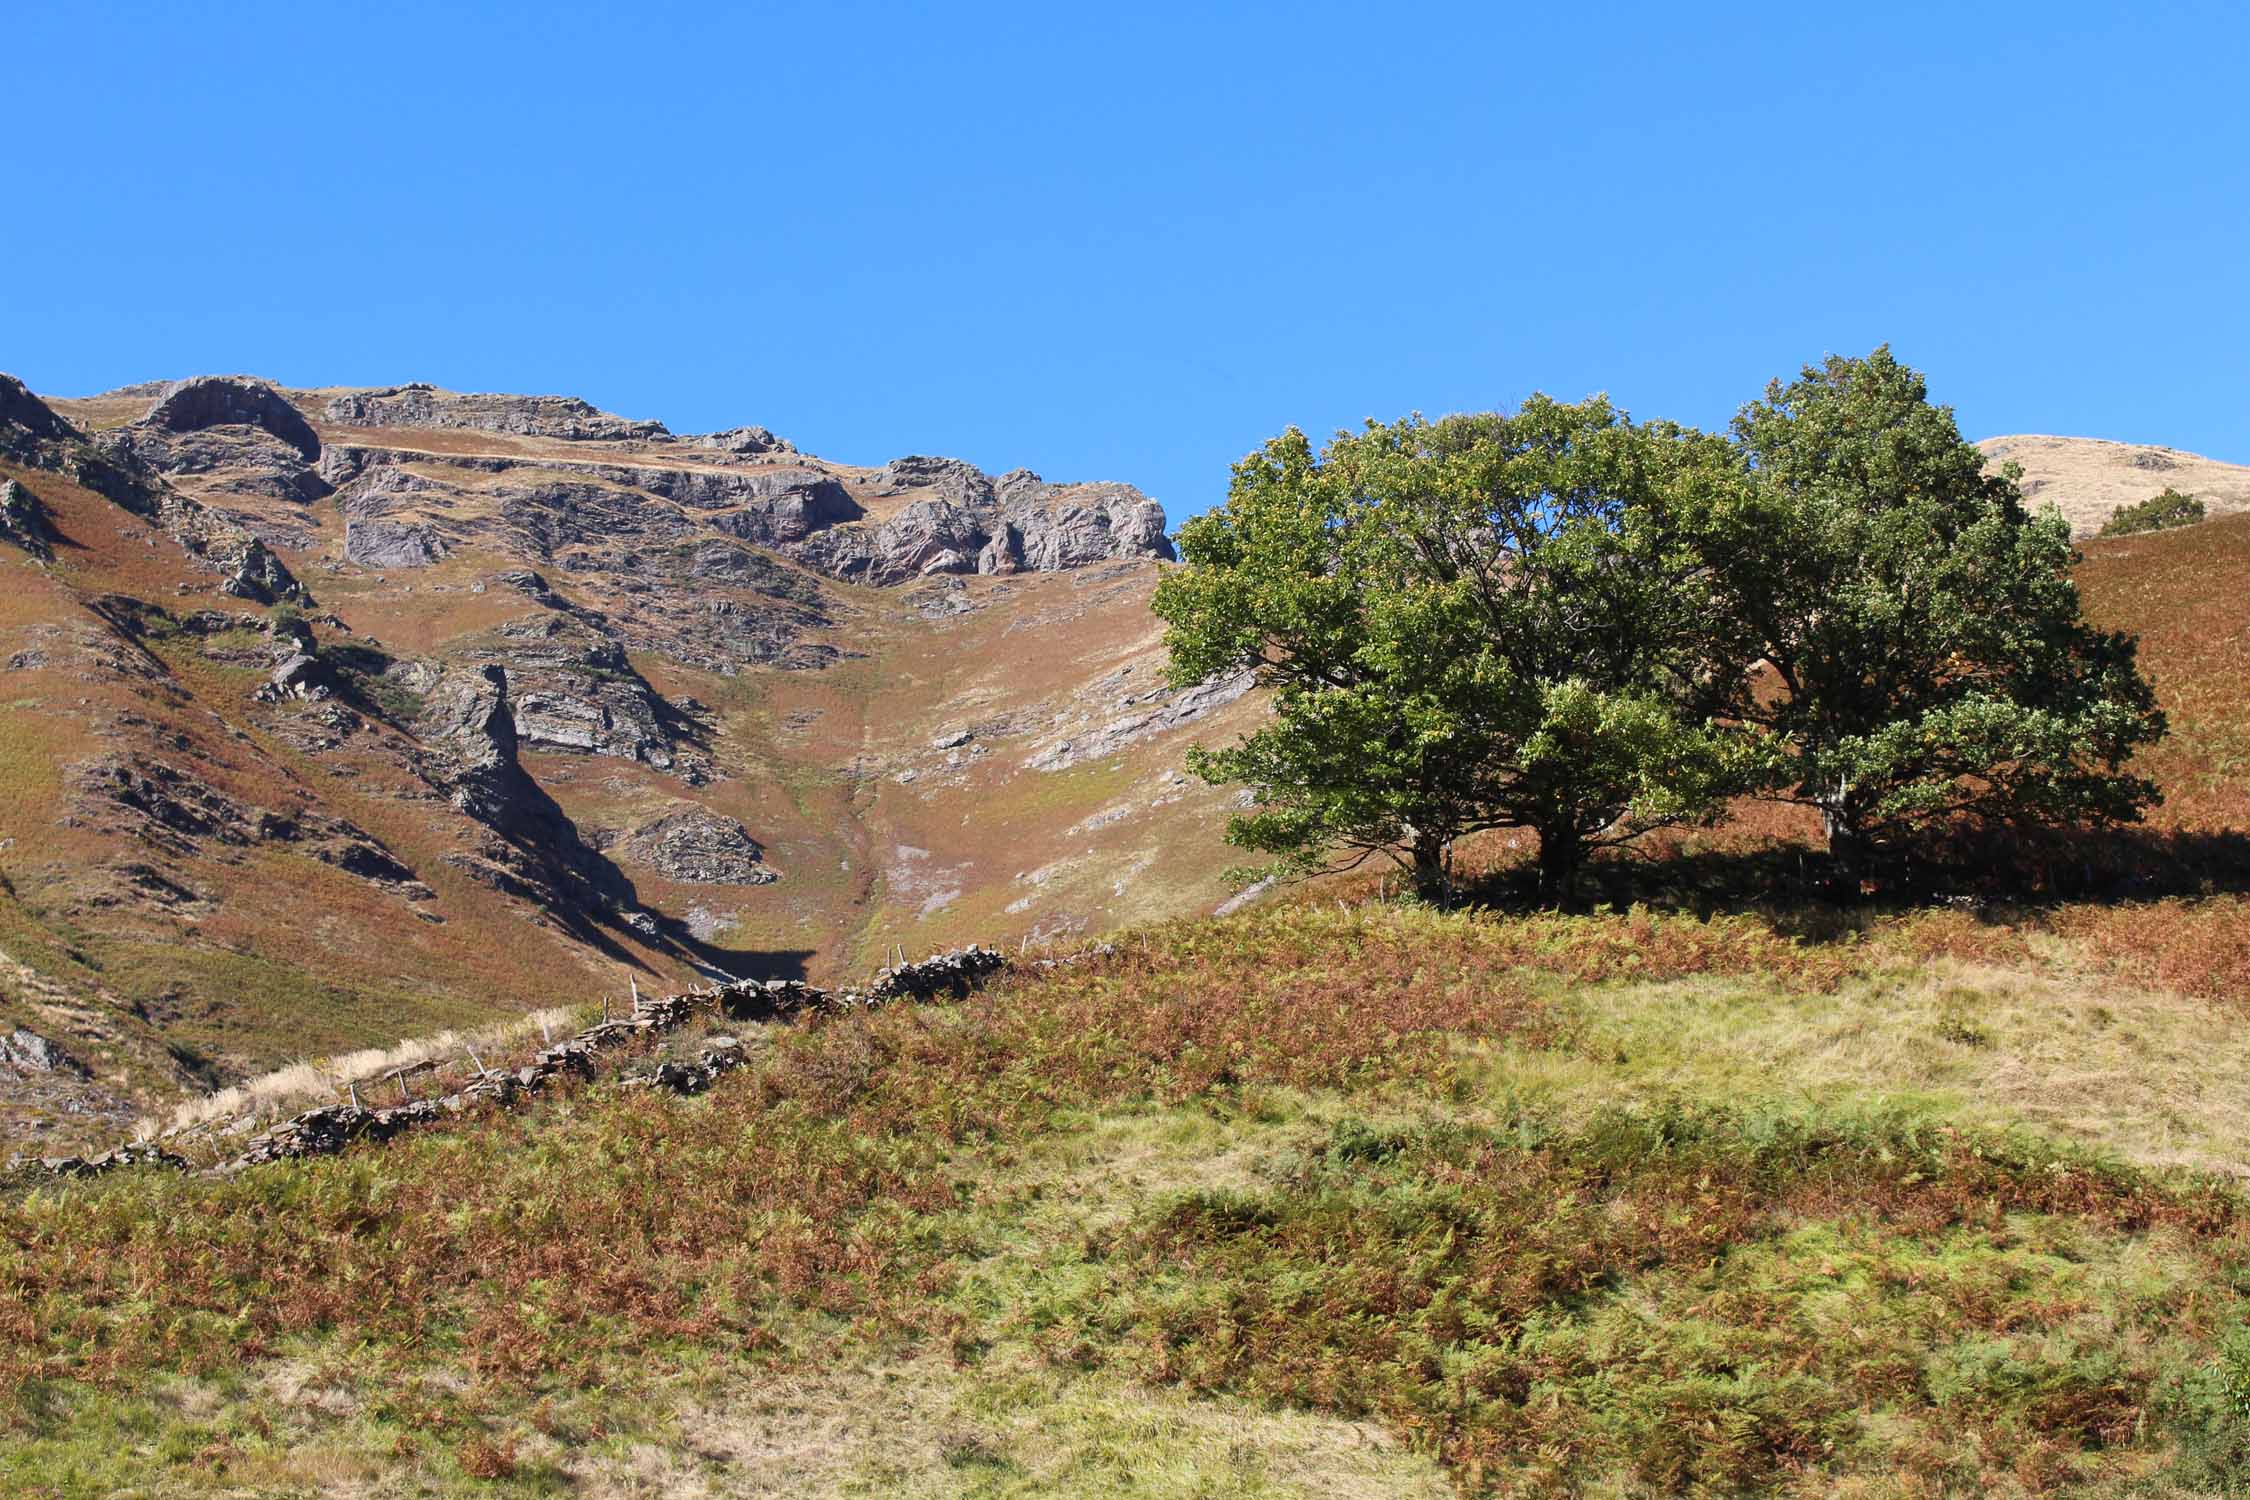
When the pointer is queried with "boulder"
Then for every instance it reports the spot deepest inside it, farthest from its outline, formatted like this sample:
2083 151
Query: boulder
298 676
263 578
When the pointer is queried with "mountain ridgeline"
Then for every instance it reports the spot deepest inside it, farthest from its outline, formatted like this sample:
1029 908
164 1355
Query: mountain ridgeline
340 715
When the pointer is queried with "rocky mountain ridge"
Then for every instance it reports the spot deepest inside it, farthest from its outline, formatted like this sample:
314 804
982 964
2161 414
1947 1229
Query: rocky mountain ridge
346 715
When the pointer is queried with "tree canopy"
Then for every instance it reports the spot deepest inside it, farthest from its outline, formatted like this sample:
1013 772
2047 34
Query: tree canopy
1561 620
2160 512
1924 628
1490 621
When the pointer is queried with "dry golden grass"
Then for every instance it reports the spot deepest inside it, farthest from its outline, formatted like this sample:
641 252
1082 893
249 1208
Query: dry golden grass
2088 478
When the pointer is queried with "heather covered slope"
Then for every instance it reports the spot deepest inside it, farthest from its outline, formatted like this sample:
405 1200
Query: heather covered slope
641 705
1307 1202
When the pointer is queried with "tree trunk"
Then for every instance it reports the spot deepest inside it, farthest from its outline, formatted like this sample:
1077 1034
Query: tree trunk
1847 852
1561 852
1432 881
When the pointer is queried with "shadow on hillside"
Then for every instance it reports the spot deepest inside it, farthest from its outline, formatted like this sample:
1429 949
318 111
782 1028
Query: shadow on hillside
1807 894
718 961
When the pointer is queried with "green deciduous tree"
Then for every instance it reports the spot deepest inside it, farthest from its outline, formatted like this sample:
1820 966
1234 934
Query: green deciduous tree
1931 657
2160 512
1490 621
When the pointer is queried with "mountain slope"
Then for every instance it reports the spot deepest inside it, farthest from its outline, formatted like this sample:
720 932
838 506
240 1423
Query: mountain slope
325 734
2089 478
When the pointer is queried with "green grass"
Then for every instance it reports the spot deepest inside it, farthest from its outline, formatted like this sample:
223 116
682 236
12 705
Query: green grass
1300 1204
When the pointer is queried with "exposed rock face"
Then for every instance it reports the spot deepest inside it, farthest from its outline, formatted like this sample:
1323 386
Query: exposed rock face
466 715
743 440
420 405
570 684
237 435
955 519
953 479
174 812
1071 525
1144 715
376 543
697 847
29 1052
973 524
262 578
230 460
32 434
529 848
23 520
21 410
232 401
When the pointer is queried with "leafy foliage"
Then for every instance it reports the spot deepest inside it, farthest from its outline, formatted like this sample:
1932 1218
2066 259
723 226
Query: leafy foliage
1489 621
1924 629
2160 512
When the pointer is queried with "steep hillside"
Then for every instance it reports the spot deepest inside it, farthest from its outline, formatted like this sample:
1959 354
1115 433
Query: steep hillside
2089 478
336 716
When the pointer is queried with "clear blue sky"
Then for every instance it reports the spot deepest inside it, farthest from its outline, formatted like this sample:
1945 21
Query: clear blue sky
1130 242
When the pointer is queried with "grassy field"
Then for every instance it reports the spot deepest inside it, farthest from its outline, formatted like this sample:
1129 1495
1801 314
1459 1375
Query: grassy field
1370 1201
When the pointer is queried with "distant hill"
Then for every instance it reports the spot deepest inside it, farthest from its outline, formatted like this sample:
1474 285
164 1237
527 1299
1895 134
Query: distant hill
2088 478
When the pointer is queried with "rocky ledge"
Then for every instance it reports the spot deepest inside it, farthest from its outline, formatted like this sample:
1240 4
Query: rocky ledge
423 405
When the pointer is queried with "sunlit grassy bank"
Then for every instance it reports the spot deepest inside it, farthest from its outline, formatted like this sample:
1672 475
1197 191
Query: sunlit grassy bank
1312 1202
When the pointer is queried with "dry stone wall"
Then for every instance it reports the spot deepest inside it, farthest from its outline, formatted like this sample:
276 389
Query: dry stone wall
331 1127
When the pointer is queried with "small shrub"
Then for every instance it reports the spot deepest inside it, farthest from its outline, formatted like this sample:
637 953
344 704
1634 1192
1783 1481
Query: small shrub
482 1458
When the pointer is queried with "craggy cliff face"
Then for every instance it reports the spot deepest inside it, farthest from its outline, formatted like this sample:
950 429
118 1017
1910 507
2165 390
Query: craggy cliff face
340 715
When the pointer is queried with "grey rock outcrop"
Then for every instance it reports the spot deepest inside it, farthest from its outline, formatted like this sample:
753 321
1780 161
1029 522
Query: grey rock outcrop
34 435
422 405
952 479
698 847
1071 525
235 435
24 521
571 685
29 1052
25 412
1146 715
373 542
967 522
741 440
263 578
207 401
301 676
